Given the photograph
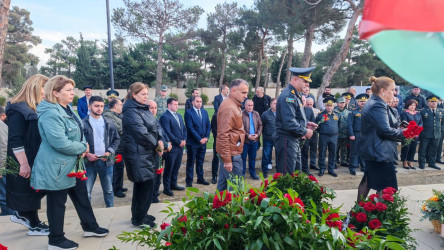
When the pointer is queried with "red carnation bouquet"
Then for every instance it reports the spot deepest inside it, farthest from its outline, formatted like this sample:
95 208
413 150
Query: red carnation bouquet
411 133
159 170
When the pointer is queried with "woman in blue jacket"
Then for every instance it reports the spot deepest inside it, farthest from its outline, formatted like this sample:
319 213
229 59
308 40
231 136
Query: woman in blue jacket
379 131
62 144
408 151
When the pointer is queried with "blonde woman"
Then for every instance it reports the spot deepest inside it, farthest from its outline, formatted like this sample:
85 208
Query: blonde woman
23 144
62 143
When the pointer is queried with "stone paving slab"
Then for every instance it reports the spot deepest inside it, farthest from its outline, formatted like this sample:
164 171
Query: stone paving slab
117 219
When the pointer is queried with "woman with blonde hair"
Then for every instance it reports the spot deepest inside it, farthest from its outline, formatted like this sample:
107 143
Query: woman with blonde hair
379 131
23 144
62 145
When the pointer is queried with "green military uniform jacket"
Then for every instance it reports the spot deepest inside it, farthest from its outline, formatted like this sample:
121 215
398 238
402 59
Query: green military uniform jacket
343 118
433 123
161 105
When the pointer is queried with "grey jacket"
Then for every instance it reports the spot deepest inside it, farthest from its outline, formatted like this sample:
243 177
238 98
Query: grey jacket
3 142
112 138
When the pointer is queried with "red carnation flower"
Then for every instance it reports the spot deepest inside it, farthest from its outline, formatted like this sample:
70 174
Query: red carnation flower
351 226
337 223
381 206
84 178
265 183
260 196
118 158
183 218
374 224
389 190
353 214
387 197
294 175
167 243
361 203
312 178
184 230
72 174
322 190
277 175
226 226
373 196
217 203
159 171
79 174
296 200
164 225
369 207
361 217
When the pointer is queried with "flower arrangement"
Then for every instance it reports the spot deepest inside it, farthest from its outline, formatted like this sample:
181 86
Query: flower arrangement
79 170
387 212
10 166
412 132
250 218
433 208
159 170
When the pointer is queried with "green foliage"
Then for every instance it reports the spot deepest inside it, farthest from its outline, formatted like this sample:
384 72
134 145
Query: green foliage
249 218
337 95
2 101
172 95
189 90
75 100
204 98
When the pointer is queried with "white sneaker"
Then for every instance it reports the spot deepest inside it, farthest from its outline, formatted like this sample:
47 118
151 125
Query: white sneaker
270 166
40 230
16 218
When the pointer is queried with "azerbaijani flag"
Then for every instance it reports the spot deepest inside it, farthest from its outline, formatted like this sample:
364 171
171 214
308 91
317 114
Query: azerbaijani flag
408 35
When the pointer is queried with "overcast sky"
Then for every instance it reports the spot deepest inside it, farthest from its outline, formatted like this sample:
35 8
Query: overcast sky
54 20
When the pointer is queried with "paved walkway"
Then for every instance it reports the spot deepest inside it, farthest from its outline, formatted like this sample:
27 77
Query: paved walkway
117 219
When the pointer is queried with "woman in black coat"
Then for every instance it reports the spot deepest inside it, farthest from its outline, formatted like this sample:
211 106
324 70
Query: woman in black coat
379 131
142 137
23 144
408 151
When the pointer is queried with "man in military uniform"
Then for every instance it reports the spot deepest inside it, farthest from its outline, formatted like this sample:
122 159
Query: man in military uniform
291 123
343 141
111 94
161 101
350 102
328 136
354 131
432 119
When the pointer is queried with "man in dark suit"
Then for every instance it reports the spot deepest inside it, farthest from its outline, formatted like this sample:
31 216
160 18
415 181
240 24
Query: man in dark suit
432 118
172 124
219 98
309 114
198 132
188 102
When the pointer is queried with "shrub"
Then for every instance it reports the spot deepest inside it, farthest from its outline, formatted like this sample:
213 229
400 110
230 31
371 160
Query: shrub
337 95
249 218
75 100
204 98
172 95
2 101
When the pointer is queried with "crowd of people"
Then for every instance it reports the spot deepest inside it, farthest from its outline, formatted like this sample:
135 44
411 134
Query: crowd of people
50 141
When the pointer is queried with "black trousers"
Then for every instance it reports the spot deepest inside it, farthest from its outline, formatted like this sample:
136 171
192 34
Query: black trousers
288 154
118 176
439 151
427 151
142 197
327 142
408 151
215 161
173 160
158 178
55 211
311 146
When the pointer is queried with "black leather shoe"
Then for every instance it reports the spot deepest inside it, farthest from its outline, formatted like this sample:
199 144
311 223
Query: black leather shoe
150 217
333 174
124 189
203 182
306 171
178 188
214 180
119 194
352 171
395 162
155 200
345 165
434 167
189 185
321 172
255 177
265 175
415 160
314 168
168 192
440 162
421 167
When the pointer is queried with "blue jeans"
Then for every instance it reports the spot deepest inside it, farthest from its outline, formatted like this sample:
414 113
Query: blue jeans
106 180
5 209
267 150
250 149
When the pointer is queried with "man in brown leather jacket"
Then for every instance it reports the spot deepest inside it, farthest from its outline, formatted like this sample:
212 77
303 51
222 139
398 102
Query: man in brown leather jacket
253 129
231 134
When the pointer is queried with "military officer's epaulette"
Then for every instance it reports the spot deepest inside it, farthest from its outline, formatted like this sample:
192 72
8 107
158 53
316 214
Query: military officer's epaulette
292 91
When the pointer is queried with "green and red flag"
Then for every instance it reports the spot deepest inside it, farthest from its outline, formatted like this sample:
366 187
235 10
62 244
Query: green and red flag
408 35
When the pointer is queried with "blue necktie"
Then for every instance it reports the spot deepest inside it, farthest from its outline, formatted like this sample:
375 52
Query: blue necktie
251 123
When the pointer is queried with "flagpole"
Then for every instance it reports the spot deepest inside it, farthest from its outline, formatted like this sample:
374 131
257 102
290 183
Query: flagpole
110 48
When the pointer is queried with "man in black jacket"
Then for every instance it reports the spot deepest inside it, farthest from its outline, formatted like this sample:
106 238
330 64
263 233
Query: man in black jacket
261 101
417 97
268 129
103 139
189 101
309 114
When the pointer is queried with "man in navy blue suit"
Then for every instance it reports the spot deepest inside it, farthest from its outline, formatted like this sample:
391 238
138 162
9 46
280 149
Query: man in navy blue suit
173 126
220 98
198 132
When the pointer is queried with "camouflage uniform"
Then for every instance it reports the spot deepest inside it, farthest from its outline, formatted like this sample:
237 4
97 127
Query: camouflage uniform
161 105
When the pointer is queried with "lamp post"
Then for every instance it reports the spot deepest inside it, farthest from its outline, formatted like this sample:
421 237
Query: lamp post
110 48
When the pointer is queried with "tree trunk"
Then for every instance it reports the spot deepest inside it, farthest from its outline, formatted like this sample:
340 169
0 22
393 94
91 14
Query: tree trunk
266 75
159 66
4 15
261 53
224 44
290 58
309 35
342 54
278 84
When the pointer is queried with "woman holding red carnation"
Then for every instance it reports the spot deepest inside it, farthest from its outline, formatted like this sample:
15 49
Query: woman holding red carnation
379 131
408 151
